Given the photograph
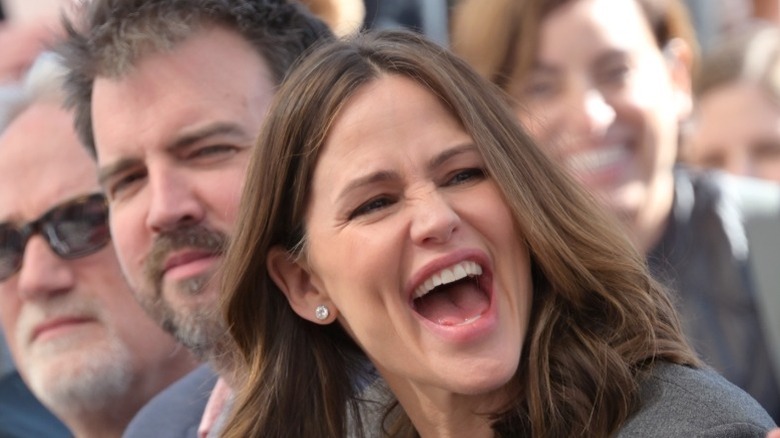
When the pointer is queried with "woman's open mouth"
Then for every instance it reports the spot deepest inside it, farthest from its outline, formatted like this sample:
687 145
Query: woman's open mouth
453 296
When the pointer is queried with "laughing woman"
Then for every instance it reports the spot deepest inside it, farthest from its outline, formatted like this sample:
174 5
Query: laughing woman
394 212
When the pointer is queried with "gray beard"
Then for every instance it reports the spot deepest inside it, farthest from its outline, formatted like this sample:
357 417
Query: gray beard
199 329
92 383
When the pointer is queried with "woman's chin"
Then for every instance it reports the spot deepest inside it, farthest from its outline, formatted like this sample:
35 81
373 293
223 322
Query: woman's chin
486 378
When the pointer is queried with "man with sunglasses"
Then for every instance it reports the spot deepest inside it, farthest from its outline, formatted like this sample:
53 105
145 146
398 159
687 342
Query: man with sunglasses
79 339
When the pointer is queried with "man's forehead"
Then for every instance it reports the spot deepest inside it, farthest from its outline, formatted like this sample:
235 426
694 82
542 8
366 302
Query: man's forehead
125 128
178 139
52 181
41 147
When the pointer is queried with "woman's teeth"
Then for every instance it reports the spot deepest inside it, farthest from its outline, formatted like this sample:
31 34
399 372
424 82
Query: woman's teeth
449 275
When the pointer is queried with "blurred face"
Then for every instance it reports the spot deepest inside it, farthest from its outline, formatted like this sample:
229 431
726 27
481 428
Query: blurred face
172 140
605 102
414 246
74 329
736 128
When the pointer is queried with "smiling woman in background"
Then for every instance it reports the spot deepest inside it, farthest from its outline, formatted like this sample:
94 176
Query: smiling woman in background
603 86
397 213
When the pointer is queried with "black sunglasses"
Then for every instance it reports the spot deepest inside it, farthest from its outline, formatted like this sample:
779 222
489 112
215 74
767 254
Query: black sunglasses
72 229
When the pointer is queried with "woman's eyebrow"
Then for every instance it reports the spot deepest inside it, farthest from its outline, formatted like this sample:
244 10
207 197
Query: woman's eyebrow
447 154
371 178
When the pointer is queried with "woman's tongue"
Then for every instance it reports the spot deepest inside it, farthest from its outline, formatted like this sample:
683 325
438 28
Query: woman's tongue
453 304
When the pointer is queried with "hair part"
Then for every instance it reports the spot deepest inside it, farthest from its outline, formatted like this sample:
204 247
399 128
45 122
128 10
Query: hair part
598 321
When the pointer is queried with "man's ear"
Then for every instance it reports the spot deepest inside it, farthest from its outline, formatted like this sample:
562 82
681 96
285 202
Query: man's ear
295 281
679 58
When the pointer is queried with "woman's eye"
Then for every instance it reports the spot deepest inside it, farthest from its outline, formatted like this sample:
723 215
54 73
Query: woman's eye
466 175
539 89
615 74
371 206
767 149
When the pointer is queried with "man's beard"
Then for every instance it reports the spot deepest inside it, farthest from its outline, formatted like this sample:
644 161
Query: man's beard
84 371
199 327
85 380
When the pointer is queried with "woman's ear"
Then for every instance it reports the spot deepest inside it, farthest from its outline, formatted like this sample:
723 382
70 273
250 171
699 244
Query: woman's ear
295 281
679 58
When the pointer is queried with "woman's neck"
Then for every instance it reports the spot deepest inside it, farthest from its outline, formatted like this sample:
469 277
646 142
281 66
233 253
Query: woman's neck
439 413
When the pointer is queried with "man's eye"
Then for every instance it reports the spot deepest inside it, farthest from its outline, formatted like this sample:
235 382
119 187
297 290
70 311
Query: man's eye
466 175
124 183
214 150
371 206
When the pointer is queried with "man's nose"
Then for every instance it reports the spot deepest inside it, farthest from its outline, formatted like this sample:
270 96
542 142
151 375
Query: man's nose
173 202
43 273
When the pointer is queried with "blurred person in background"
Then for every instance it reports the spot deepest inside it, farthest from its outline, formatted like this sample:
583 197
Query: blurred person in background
28 28
736 120
79 339
604 85
717 20
344 17
427 17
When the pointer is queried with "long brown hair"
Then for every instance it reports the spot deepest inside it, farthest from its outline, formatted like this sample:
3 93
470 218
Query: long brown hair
598 319
500 38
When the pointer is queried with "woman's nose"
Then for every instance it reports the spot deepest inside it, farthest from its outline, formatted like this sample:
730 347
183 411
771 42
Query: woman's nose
434 221
589 112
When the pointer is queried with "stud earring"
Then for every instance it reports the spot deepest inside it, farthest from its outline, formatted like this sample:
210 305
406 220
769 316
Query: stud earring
321 312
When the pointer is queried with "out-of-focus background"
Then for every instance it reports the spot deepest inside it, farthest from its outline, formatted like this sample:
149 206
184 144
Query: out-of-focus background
27 26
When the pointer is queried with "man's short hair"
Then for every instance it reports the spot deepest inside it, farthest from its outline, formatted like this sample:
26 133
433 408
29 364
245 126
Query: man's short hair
112 35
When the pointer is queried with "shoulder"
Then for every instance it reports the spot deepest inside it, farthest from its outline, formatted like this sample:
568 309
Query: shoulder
176 411
22 415
677 400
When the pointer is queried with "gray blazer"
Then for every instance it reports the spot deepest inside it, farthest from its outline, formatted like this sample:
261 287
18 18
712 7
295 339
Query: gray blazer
677 401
